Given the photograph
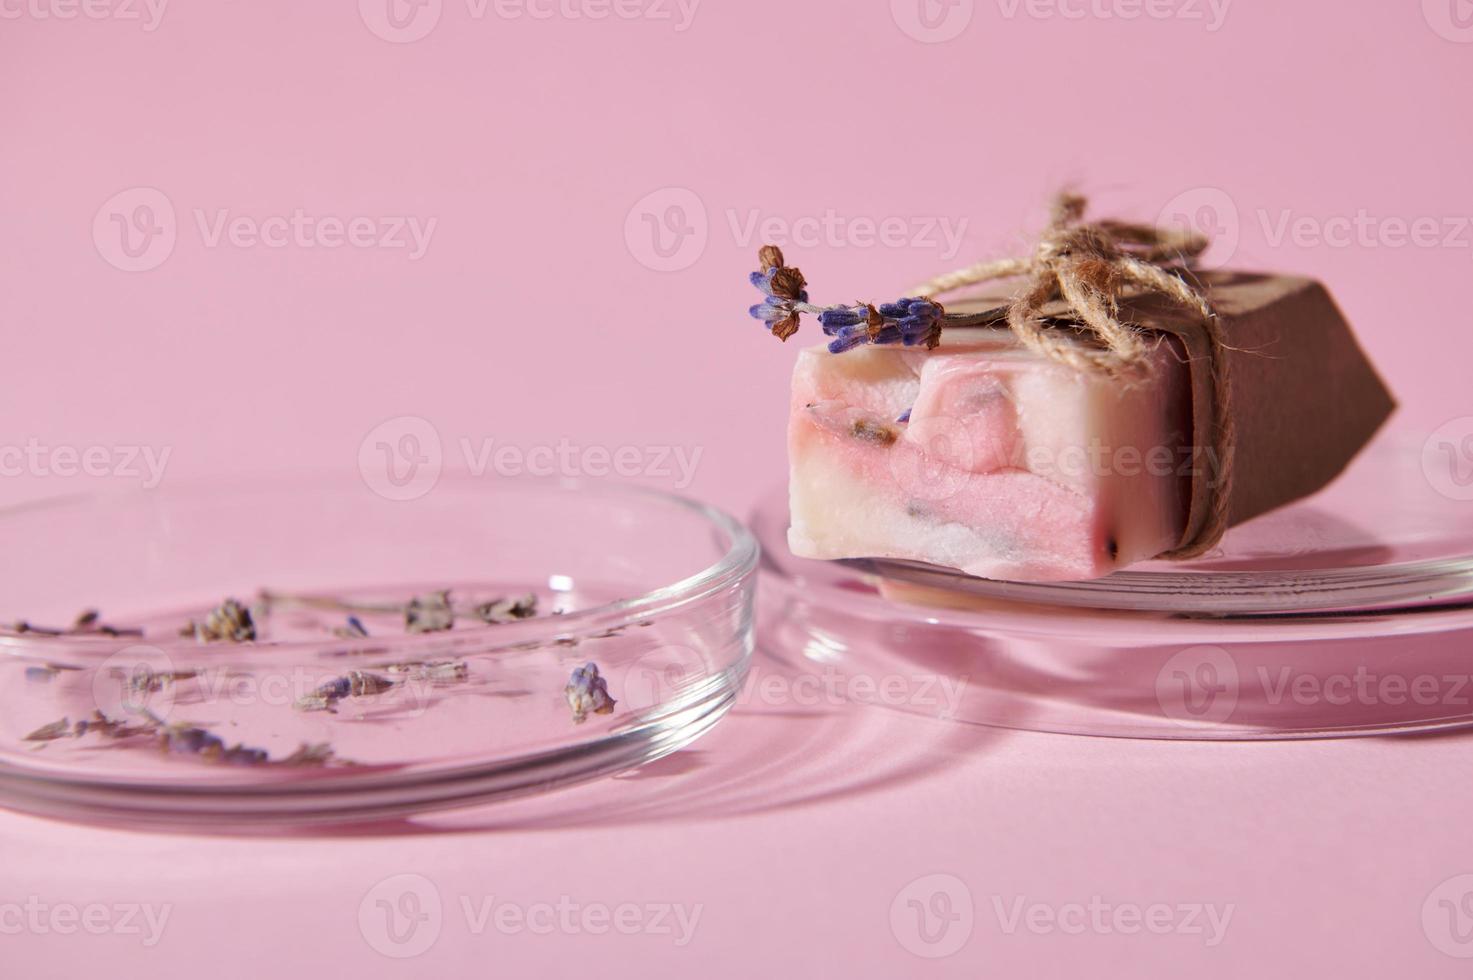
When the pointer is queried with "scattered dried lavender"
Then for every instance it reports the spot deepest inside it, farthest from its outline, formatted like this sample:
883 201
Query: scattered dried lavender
586 692
87 621
429 613
181 739
234 622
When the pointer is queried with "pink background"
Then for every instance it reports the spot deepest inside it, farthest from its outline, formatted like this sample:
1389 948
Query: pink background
543 310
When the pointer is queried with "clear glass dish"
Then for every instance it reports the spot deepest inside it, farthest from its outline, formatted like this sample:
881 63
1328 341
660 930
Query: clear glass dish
323 717
1347 613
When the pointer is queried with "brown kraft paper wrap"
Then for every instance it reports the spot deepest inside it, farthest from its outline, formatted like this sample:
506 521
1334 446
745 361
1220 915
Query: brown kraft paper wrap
1303 395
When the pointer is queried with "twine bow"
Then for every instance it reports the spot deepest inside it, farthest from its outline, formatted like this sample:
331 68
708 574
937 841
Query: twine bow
1089 266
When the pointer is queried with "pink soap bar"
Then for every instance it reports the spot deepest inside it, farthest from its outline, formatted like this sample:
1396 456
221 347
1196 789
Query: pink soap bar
983 456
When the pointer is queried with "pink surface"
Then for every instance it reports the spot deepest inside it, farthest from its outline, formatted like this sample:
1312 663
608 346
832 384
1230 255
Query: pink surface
533 156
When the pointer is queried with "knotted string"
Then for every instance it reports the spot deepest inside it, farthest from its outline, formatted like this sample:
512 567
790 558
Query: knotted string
1089 265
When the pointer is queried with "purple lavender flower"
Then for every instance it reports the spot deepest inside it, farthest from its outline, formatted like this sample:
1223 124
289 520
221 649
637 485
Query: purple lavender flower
836 318
909 321
783 288
775 311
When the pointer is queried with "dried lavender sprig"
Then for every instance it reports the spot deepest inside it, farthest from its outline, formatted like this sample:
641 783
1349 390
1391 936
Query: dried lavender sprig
87 622
352 629
911 321
181 738
503 609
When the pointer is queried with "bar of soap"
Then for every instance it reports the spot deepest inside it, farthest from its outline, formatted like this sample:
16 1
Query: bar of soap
983 456
1011 466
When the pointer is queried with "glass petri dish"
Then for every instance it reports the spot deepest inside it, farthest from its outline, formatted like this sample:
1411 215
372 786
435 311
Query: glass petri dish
1349 613
337 710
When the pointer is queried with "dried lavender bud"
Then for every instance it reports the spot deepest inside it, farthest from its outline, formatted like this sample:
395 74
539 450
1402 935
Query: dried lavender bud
143 680
243 755
178 739
364 684
770 257
355 683
353 629
507 610
316 754
51 732
586 691
441 672
429 613
229 621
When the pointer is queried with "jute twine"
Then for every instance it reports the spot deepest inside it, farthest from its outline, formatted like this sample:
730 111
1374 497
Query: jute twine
1089 265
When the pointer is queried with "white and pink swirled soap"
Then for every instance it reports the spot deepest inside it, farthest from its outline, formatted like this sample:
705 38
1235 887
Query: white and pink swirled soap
983 456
